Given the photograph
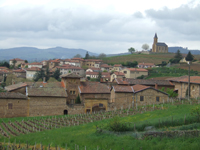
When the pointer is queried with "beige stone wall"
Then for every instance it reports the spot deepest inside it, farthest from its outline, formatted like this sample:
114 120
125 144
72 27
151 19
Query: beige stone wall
17 63
46 106
30 74
19 108
76 109
137 74
149 97
120 100
182 89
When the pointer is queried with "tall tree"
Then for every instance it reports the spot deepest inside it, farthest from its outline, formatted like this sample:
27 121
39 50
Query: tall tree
39 75
131 50
178 55
99 76
57 74
47 75
102 55
14 62
189 56
87 56
26 61
145 46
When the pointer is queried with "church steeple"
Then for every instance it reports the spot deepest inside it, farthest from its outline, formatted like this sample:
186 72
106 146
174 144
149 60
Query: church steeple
155 38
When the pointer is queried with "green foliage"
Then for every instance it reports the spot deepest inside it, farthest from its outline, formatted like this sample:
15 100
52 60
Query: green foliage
3 84
189 56
132 64
88 77
131 50
170 92
26 61
4 64
178 55
116 125
78 100
99 76
39 75
174 60
196 112
87 55
164 63
47 74
57 74
14 62
140 77
102 55
51 79
77 56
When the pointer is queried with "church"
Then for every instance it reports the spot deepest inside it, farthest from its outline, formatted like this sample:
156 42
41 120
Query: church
158 47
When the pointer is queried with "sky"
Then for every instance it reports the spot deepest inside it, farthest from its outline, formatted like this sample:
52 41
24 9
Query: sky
99 26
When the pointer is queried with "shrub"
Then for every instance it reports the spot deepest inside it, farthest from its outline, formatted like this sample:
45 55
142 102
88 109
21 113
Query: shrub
116 125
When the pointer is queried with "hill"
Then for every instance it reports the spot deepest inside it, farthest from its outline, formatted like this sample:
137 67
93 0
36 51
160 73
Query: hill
36 54
183 50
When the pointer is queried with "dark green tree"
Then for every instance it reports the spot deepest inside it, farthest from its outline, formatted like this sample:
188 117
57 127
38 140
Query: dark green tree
78 100
87 56
99 76
39 75
47 75
131 50
178 55
102 55
132 64
189 56
57 74
14 62
26 61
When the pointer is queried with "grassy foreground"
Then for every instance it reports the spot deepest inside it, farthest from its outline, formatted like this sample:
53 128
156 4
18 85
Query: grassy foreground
85 135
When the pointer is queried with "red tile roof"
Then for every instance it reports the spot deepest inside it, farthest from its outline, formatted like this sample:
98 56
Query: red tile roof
33 69
117 65
80 59
67 66
15 86
17 59
12 95
138 87
193 79
35 63
19 71
105 66
137 69
122 89
93 88
3 68
119 73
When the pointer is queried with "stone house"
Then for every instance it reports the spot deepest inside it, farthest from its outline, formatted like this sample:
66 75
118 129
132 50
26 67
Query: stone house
13 105
146 65
17 88
134 72
93 70
35 64
94 95
157 84
47 101
54 63
71 82
67 69
158 47
96 74
181 85
116 75
20 73
80 60
30 72
128 96
106 67
18 61
92 62
117 67
75 63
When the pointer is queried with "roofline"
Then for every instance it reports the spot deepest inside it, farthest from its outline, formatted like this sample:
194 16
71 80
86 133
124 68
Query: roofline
153 89
45 96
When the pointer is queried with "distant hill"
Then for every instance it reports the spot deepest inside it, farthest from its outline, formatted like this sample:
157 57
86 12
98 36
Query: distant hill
183 50
36 54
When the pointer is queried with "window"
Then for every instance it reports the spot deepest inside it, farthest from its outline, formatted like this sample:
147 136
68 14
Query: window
70 92
10 106
100 105
157 98
141 98
125 72
74 92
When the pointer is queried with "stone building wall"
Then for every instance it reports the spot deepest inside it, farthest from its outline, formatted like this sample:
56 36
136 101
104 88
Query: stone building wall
19 108
20 90
46 106
149 97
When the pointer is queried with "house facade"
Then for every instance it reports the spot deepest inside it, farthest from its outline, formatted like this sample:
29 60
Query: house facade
18 61
35 64
30 72
134 72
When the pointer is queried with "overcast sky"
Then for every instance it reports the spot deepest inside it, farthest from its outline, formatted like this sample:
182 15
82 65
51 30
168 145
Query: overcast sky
101 26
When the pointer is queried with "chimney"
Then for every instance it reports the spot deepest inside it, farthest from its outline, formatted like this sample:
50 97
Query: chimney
156 86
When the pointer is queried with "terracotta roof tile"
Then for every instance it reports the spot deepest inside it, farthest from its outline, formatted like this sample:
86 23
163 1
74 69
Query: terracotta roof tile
15 86
193 79
35 63
117 65
138 87
17 59
20 71
33 69
119 73
47 92
122 89
12 95
3 68
94 87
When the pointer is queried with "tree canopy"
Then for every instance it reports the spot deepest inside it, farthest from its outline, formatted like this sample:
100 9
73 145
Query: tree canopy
189 56
57 74
77 56
102 55
145 46
87 56
131 50
178 55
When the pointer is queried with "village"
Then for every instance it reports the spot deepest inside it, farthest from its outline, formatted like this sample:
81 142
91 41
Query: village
85 86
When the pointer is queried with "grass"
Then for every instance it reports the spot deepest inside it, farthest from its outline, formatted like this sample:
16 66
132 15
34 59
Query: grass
85 135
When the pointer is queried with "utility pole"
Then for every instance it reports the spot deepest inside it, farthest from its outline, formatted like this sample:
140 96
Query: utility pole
189 81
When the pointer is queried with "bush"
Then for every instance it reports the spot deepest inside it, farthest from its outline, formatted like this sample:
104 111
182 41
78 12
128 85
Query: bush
116 125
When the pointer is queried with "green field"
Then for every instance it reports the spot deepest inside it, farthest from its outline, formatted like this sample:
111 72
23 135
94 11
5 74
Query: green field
86 135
